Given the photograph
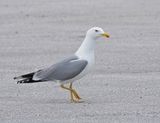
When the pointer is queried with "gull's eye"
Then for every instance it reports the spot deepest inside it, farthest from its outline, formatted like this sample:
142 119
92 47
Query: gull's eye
96 30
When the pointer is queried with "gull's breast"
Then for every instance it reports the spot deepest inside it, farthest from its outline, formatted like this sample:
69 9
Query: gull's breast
91 61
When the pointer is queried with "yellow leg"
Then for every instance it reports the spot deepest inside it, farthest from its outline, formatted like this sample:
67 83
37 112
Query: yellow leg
72 92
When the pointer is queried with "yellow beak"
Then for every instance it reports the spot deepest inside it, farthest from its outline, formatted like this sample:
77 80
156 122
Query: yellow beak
105 35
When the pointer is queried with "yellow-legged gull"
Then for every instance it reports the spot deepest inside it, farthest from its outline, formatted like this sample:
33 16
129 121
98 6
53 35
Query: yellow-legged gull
71 68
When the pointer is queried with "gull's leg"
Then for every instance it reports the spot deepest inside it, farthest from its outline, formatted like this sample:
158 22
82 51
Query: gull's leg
73 92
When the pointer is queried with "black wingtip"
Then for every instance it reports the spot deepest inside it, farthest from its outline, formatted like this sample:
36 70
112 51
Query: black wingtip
19 82
23 81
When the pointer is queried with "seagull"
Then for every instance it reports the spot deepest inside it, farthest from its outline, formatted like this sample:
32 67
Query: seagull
70 69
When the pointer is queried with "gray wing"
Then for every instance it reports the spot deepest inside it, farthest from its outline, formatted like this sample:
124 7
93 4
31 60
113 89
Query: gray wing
64 70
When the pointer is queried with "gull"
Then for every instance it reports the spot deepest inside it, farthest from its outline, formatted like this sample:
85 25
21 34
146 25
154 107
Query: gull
70 69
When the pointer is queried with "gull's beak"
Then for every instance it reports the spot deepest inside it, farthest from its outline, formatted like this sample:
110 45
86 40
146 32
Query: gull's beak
105 35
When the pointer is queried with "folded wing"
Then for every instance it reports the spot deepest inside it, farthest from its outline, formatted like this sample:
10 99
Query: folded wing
64 70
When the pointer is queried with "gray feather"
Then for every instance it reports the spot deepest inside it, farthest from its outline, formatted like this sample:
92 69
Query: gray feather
64 70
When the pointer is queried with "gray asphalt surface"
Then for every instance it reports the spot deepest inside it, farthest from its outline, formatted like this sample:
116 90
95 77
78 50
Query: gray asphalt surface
124 87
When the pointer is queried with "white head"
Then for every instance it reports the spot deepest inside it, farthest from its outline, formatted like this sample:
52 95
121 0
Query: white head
96 32
88 45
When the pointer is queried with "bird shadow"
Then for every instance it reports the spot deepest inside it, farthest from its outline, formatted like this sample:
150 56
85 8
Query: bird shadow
58 101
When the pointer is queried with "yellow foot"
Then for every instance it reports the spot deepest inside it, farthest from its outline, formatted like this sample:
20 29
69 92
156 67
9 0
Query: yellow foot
76 101
75 94
75 98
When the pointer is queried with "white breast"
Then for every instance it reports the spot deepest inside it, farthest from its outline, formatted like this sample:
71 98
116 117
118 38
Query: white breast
91 60
85 52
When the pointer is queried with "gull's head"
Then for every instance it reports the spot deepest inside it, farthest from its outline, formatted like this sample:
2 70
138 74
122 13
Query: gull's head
96 32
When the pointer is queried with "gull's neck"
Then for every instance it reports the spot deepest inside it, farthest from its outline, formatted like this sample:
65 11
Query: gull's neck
87 47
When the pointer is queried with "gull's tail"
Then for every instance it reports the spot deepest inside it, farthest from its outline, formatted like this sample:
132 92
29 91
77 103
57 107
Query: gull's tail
27 78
